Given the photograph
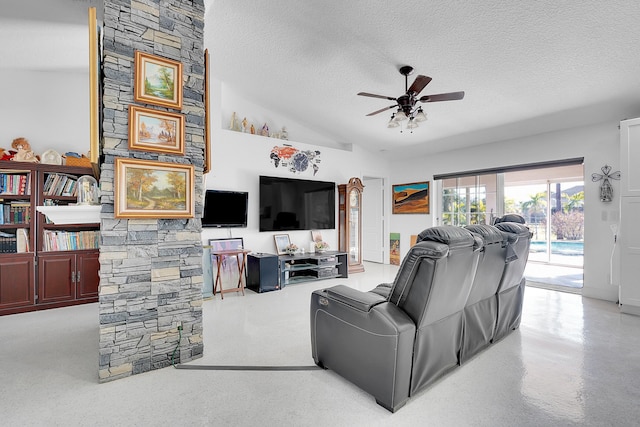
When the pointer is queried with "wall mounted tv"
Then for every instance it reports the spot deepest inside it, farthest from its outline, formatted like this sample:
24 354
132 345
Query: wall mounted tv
225 209
296 204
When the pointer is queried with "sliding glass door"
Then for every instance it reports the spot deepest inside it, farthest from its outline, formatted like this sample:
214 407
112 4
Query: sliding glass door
469 200
551 201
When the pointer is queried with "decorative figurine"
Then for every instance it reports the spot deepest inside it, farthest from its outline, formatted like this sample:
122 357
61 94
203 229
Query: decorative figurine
6 154
24 153
253 129
265 130
284 134
233 125
245 125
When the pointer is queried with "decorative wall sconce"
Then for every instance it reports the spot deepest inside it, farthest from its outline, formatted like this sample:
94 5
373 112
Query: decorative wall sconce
606 190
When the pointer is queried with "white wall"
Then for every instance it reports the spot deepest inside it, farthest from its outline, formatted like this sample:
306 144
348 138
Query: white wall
49 108
238 159
598 144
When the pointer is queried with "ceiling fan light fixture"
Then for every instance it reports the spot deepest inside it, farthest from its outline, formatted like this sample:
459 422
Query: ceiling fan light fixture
400 116
406 103
420 116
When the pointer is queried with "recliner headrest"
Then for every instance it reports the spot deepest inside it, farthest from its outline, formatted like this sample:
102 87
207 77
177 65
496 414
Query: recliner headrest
517 218
454 237
488 233
512 227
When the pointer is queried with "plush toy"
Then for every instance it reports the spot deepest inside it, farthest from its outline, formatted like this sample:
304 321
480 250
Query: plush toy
24 153
6 154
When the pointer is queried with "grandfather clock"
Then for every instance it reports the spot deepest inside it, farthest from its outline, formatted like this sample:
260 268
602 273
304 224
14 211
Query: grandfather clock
350 222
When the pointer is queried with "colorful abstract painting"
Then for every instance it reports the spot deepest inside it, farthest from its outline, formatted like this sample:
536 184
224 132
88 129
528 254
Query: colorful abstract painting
394 248
411 198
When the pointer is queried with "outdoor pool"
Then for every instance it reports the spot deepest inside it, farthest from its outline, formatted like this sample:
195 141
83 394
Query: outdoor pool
559 247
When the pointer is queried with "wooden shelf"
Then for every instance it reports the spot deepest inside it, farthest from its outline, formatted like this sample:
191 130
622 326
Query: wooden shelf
15 196
77 214
37 279
16 225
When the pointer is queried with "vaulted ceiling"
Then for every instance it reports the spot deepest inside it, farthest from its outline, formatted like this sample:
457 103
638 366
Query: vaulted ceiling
526 67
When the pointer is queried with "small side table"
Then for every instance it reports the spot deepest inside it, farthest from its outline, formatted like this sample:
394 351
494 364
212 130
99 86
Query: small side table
241 254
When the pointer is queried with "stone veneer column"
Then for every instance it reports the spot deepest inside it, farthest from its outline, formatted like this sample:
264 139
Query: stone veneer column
150 270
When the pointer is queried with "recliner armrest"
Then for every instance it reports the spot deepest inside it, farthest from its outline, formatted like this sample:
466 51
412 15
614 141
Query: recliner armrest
359 300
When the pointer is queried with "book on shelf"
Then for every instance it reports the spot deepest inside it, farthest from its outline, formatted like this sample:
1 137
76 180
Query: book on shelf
15 212
22 240
70 240
8 242
60 184
15 183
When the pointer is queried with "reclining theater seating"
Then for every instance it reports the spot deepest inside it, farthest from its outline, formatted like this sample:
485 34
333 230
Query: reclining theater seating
481 309
394 346
511 289
457 291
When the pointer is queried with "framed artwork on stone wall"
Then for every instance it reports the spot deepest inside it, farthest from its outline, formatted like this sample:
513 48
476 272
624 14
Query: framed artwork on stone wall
151 189
158 81
153 130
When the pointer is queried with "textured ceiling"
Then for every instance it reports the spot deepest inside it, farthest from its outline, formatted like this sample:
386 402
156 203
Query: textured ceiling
527 67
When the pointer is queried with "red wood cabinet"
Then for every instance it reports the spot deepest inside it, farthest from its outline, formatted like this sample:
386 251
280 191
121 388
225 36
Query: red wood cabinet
43 265
16 281
67 276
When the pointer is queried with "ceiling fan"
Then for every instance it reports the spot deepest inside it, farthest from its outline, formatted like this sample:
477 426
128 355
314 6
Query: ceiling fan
406 103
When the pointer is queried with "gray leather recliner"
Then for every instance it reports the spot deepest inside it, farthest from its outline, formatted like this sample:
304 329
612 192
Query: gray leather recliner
481 309
394 343
512 284
511 217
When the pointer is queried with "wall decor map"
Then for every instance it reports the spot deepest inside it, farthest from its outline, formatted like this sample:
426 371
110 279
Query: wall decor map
296 161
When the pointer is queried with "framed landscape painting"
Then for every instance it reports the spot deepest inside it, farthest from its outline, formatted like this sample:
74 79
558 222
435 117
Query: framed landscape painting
153 130
151 189
411 198
158 80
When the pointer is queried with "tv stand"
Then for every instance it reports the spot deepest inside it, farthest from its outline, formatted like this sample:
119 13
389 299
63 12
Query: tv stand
312 266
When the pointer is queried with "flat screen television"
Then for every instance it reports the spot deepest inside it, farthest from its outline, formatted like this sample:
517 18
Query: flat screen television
296 204
225 209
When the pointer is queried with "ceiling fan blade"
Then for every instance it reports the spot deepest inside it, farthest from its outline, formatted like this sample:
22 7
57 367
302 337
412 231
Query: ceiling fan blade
382 109
419 83
373 95
451 96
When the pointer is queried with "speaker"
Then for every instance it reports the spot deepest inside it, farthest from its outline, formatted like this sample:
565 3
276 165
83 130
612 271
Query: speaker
262 272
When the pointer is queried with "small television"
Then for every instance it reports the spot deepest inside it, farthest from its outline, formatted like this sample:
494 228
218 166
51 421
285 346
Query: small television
296 204
225 209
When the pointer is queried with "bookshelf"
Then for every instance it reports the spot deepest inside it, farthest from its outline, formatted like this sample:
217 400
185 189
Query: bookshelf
44 264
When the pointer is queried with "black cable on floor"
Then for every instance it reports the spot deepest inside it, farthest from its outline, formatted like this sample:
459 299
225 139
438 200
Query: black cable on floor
247 368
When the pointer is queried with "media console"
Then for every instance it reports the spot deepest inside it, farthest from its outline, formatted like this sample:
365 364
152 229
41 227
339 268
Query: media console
312 266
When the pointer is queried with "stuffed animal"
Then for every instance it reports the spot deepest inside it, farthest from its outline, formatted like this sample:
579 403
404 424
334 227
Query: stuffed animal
24 153
6 154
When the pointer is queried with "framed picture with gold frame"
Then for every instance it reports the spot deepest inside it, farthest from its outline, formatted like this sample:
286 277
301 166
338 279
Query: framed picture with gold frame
207 131
153 130
152 189
94 91
158 80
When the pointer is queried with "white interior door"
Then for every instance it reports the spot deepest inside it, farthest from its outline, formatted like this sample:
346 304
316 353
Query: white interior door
373 220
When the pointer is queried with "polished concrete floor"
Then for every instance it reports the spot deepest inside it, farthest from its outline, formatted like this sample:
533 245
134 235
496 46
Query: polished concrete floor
573 362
